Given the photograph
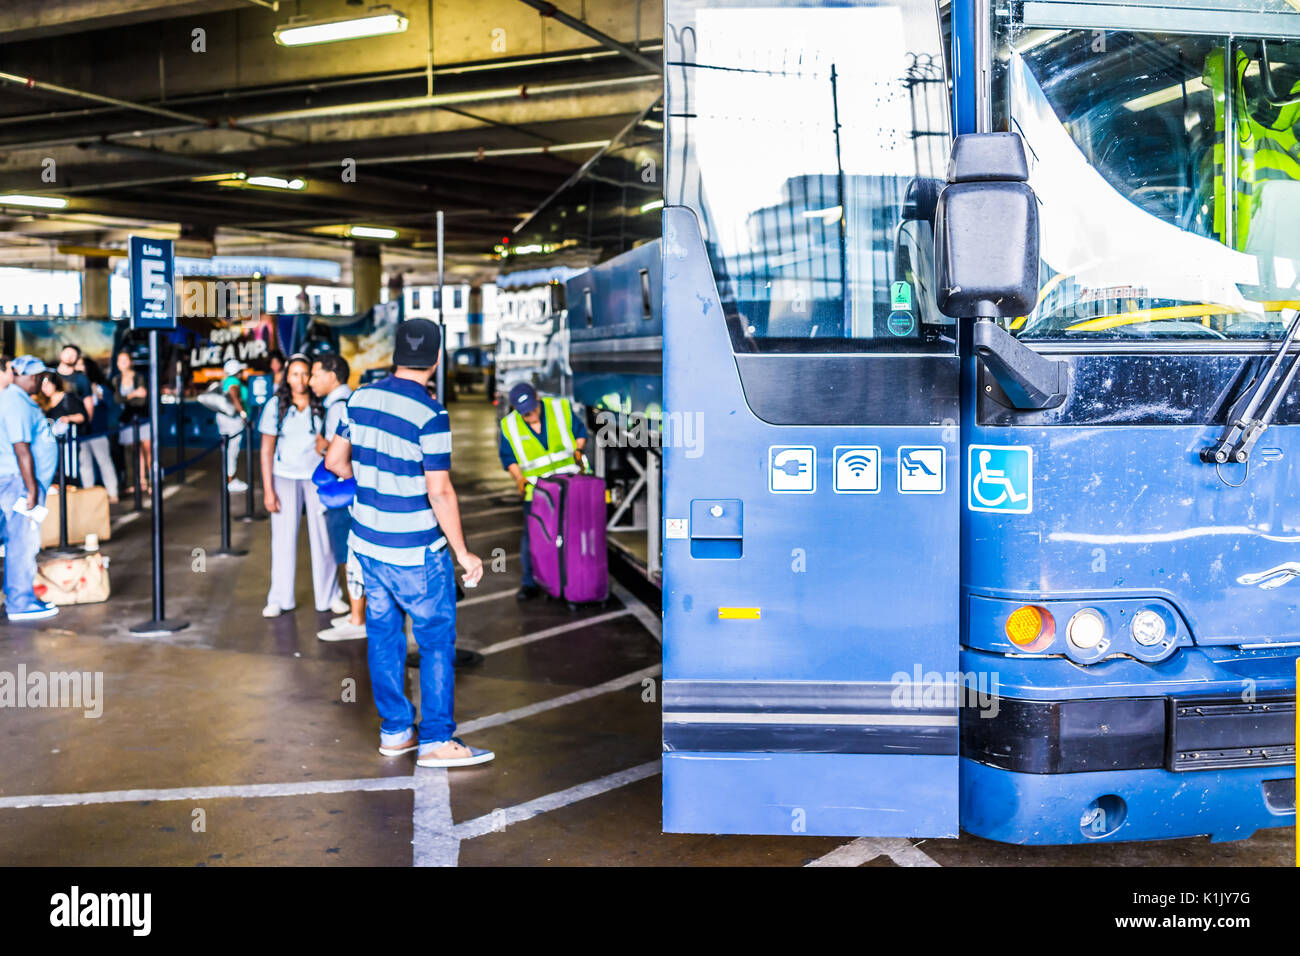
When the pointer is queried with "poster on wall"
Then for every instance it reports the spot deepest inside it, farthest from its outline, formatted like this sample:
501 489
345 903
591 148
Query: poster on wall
227 322
44 337
370 354
249 342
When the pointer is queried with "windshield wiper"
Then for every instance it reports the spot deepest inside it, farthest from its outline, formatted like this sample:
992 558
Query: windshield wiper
1254 411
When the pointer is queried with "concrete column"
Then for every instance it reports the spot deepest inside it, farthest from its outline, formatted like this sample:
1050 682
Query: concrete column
94 287
397 291
474 316
365 276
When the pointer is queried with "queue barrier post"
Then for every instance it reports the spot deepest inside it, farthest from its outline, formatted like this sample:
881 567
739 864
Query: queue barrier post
250 510
136 466
225 548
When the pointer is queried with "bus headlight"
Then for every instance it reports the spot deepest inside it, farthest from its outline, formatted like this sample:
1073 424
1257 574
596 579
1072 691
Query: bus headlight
1148 628
1086 629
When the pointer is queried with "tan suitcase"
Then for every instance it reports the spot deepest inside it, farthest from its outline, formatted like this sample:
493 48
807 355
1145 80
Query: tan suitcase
63 581
87 514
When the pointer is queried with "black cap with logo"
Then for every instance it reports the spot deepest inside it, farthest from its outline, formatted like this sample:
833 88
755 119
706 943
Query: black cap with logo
418 344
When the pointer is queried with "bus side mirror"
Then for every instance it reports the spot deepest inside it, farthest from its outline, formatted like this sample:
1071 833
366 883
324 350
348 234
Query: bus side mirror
986 263
986 230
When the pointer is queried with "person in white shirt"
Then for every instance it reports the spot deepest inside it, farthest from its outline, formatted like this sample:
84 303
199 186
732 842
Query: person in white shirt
290 424
329 382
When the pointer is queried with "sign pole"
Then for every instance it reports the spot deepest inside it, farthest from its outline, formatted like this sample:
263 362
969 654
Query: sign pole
441 375
153 308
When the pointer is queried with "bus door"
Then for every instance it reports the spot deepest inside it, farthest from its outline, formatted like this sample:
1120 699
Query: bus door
1154 542
811 424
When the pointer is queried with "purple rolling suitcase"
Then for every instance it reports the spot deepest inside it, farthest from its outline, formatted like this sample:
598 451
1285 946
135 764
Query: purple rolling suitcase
566 538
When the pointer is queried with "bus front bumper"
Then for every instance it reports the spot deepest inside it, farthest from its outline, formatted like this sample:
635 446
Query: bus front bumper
1127 751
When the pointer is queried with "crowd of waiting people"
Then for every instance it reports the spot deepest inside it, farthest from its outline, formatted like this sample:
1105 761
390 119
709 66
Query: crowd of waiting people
368 472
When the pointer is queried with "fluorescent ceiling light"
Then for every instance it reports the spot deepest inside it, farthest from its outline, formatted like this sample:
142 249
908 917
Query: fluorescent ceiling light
276 182
370 232
43 202
374 24
653 204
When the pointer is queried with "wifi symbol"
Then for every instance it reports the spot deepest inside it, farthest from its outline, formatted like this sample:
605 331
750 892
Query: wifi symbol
857 464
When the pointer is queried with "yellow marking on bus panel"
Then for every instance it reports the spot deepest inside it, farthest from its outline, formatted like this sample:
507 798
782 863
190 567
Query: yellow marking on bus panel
738 614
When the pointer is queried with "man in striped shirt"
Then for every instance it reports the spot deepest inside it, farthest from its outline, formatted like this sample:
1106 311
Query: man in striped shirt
396 443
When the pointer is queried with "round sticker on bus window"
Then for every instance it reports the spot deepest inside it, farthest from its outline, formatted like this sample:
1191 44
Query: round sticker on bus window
901 323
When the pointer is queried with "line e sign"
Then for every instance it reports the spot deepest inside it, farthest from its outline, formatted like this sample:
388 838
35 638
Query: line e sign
152 275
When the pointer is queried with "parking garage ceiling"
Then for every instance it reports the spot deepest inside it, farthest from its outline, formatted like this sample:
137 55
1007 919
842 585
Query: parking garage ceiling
158 115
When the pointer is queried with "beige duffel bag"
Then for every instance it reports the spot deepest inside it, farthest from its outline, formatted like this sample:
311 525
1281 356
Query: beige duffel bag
87 514
79 580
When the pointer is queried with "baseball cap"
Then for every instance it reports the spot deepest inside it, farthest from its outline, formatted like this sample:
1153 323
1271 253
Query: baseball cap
28 365
418 344
523 398
233 367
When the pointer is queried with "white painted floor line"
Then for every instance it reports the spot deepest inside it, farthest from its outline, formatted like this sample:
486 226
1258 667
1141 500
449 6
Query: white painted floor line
519 713
507 529
653 622
296 788
498 820
431 827
512 509
484 496
483 599
168 491
865 849
552 631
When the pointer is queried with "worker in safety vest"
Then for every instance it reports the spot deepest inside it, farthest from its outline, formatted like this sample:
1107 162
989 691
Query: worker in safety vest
540 437
1267 150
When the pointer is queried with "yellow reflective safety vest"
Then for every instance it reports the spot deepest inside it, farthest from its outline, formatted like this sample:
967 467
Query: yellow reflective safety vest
536 460
1264 152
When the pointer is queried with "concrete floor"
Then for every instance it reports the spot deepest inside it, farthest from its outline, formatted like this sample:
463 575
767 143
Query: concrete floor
231 741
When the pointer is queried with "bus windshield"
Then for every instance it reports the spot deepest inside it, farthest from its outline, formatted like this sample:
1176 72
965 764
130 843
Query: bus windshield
1167 167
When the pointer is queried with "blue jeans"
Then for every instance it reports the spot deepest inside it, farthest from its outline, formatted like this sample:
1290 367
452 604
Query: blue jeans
22 539
338 522
525 559
428 595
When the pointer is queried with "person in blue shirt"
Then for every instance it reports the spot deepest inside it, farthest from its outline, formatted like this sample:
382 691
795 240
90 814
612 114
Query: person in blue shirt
28 459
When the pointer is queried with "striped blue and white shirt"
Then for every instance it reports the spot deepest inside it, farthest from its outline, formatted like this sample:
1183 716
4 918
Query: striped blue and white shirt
397 433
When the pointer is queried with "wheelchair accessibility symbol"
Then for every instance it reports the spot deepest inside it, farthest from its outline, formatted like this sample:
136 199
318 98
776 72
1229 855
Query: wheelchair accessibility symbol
1001 479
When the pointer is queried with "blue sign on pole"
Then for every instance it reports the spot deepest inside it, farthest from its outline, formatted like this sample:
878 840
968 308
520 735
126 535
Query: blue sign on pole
152 276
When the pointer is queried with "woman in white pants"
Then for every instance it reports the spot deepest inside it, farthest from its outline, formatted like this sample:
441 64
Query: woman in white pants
289 457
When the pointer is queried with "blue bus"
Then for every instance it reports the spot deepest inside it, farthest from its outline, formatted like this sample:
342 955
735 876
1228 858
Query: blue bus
1027 570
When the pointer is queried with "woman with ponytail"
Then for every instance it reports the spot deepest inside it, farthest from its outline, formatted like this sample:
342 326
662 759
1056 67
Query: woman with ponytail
290 422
